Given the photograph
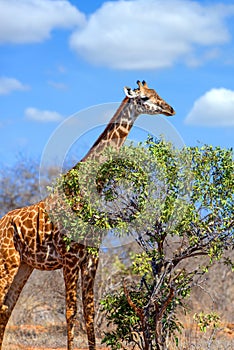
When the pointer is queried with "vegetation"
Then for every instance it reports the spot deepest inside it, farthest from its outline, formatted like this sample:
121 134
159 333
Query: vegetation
97 196
188 215
18 185
177 206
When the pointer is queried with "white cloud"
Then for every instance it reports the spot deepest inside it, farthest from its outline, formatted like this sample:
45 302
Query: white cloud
28 21
7 85
214 108
57 85
141 34
42 115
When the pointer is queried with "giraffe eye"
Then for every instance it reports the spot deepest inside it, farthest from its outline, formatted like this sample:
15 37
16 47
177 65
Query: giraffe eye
145 98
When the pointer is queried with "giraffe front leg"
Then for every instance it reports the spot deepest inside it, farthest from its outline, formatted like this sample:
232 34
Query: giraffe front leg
71 274
88 273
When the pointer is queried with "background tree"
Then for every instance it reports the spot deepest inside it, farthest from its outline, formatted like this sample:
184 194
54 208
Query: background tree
19 185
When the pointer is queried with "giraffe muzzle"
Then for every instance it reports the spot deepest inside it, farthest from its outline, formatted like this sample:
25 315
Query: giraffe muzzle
169 112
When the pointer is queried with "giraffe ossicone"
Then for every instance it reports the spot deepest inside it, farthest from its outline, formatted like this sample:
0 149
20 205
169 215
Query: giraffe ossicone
30 240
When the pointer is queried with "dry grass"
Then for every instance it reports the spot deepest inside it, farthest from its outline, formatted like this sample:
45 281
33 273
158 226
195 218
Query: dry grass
38 321
28 337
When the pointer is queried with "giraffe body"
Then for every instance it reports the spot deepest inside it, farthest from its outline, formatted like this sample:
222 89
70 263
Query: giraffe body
43 248
29 240
38 251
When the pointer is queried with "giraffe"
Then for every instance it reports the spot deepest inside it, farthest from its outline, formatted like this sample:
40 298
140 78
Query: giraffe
29 240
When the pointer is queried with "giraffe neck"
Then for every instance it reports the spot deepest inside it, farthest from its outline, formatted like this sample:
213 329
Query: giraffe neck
116 131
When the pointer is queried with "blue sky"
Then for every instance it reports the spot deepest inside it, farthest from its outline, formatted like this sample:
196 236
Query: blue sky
59 57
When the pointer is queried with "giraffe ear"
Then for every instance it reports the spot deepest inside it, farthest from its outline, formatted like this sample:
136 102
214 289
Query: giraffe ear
130 93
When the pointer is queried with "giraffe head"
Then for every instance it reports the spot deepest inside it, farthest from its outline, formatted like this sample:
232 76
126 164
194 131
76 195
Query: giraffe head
147 101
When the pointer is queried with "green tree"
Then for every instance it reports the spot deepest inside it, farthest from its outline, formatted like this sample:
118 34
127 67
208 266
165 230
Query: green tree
187 214
177 205
99 196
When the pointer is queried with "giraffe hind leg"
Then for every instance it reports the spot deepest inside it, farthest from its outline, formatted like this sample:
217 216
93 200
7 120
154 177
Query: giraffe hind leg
71 274
12 295
8 269
88 273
